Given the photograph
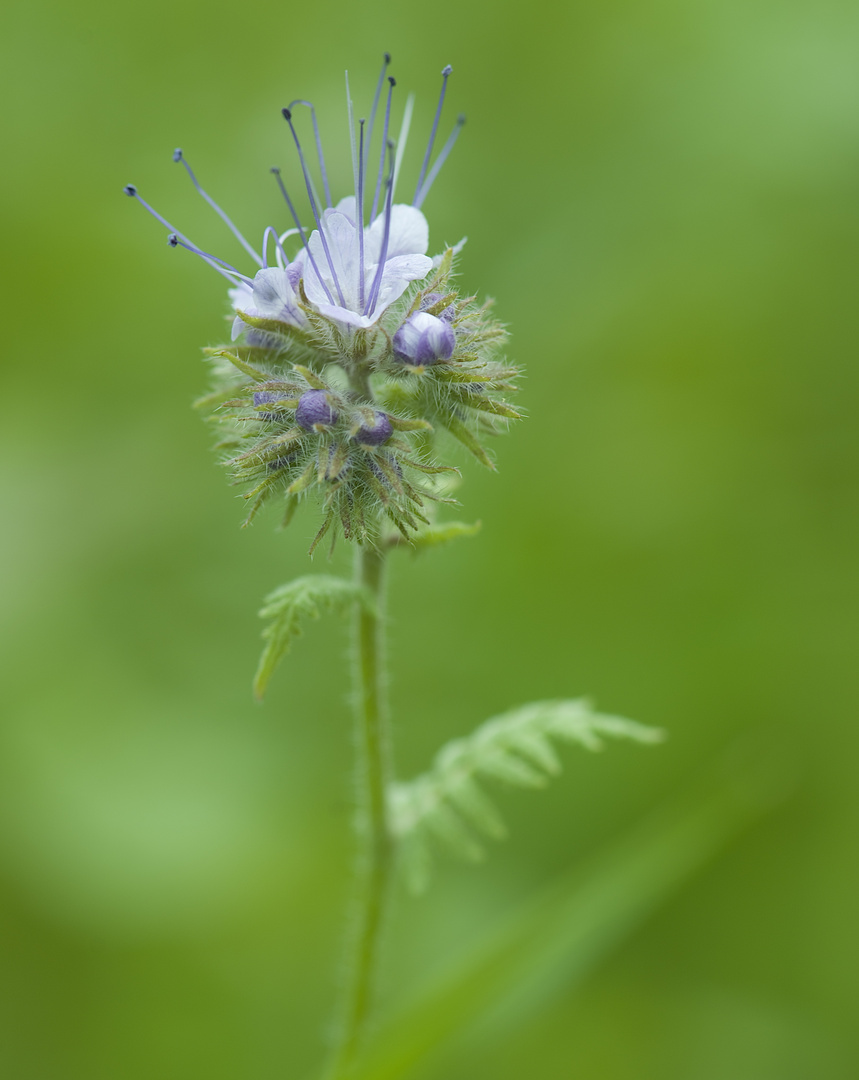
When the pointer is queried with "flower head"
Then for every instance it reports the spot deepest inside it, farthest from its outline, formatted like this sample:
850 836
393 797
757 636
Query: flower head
350 345
364 251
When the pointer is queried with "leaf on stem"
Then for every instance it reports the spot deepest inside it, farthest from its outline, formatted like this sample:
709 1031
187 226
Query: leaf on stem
554 940
290 605
515 748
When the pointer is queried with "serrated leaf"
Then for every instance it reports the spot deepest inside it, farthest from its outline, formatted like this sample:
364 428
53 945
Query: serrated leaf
551 942
290 605
514 748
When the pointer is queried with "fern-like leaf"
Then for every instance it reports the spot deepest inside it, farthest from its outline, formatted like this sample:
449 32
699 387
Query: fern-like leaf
517 748
290 605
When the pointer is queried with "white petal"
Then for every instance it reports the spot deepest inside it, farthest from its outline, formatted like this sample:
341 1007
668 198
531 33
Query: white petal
346 206
409 233
345 316
241 297
272 291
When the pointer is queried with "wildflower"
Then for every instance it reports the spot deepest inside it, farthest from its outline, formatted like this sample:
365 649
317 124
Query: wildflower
318 390
351 268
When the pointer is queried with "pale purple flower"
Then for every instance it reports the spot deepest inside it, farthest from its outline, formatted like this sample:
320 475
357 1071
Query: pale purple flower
363 252
271 295
424 339
394 254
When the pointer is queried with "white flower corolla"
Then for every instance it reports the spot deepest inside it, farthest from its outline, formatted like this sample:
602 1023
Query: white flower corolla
363 252
271 295
394 254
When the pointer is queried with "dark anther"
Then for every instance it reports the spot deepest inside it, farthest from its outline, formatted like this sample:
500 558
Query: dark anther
173 240
130 189
177 154
287 115
392 80
387 58
446 70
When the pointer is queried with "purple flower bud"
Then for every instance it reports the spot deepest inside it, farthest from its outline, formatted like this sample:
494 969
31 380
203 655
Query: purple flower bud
267 397
313 408
376 432
431 299
424 339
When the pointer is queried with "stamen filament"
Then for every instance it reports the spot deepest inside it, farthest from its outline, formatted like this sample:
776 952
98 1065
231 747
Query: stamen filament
229 272
383 254
179 156
350 112
288 117
299 101
133 193
439 161
360 222
401 142
379 84
301 232
282 260
392 83
444 77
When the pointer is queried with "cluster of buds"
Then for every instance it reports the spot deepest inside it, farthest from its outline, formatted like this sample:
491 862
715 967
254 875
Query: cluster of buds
348 356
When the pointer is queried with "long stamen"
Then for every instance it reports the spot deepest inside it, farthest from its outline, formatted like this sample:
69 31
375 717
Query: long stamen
439 161
444 77
300 101
376 97
360 221
301 232
229 272
132 192
179 156
401 142
287 115
282 261
383 254
392 83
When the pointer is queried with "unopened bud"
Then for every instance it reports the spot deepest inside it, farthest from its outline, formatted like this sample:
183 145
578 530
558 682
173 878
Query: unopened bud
313 408
424 339
378 431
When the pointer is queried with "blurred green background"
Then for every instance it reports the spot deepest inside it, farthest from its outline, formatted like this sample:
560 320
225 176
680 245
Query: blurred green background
662 198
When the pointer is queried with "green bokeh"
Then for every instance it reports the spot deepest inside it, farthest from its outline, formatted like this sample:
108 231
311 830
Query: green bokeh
662 198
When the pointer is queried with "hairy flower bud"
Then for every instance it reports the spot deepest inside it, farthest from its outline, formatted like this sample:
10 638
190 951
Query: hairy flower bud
378 431
424 339
313 409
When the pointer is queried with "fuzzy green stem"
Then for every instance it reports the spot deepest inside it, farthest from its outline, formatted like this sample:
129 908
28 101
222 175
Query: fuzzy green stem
373 775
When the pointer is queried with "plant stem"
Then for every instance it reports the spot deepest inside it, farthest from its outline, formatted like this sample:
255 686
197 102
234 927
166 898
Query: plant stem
373 775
